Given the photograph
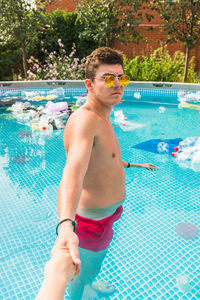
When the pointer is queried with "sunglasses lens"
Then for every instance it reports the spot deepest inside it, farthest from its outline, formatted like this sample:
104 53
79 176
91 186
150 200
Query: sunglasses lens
124 80
110 80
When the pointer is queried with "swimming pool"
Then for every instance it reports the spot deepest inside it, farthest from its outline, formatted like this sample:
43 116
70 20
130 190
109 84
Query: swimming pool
146 256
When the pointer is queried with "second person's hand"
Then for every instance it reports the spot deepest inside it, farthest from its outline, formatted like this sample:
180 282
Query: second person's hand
68 240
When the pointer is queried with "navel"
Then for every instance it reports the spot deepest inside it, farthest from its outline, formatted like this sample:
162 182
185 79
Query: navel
113 155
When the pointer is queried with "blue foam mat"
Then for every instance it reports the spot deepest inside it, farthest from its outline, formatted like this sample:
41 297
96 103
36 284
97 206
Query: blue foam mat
151 145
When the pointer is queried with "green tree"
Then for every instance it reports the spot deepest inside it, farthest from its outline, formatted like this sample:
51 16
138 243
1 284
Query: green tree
181 23
106 21
20 22
65 26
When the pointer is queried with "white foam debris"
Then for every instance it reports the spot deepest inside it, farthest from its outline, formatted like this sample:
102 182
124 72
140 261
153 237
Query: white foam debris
125 125
188 155
189 97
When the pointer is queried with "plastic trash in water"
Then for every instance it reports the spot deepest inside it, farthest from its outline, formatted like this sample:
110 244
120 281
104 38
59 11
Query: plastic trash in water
56 107
41 125
119 118
20 106
58 93
81 100
163 147
30 95
162 109
137 95
183 283
189 97
188 155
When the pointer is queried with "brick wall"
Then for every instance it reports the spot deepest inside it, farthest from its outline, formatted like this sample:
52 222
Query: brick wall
142 48
153 42
67 5
153 37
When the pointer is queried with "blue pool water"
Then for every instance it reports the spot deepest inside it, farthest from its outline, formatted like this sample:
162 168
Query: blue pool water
146 255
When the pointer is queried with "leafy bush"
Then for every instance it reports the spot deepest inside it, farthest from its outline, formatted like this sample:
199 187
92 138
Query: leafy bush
160 66
197 78
58 25
65 26
10 60
57 66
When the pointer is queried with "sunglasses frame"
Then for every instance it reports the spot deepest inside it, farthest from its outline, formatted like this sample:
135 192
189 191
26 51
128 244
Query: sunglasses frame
119 77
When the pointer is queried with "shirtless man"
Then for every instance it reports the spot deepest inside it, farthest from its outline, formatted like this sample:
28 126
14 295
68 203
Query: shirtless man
92 187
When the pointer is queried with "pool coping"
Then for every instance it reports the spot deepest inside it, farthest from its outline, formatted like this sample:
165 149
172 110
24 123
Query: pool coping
52 84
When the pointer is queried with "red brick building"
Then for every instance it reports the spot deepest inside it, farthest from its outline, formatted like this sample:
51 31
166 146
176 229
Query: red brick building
143 48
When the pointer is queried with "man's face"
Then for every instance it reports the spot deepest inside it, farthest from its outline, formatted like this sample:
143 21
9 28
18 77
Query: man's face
108 95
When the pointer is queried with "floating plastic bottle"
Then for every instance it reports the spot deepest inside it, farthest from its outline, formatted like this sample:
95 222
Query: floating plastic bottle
162 109
163 147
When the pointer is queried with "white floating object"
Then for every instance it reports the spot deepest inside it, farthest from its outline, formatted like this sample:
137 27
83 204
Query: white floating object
137 95
81 100
163 147
103 287
129 125
162 109
183 283
188 155
56 107
119 116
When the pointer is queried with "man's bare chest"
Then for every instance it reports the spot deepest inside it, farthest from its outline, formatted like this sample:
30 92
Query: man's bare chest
106 144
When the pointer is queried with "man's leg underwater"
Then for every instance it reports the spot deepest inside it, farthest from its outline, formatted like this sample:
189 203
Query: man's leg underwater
90 267
93 235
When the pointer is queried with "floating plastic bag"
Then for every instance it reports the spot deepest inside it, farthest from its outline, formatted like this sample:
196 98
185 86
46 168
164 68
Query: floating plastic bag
56 107
81 100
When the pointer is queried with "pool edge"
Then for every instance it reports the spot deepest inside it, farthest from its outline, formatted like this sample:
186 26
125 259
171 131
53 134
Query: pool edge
4 85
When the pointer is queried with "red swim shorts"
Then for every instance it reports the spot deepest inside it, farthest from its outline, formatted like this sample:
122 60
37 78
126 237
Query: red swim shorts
96 235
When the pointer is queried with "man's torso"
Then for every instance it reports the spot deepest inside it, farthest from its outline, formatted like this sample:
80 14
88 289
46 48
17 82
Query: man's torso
104 181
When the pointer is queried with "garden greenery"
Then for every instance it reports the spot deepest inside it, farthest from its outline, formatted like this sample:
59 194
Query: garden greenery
88 30
58 24
181 23
57 66
67 27
160 66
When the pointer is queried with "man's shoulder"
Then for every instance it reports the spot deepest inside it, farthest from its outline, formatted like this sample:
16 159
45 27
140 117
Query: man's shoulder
82 121
83 116
86 112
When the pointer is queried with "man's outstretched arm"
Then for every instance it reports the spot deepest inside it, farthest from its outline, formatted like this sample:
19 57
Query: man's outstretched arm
78 140
147 166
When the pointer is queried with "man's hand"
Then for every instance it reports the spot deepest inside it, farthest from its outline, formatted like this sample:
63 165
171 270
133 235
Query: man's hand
69 240
149 167
60 265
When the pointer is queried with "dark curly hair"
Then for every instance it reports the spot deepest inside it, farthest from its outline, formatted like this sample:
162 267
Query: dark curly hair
100 56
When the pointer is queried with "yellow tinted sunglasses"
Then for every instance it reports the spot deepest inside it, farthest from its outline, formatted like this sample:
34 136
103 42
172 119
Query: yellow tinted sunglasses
110 79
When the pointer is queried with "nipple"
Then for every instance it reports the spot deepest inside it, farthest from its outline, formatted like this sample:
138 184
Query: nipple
113 155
